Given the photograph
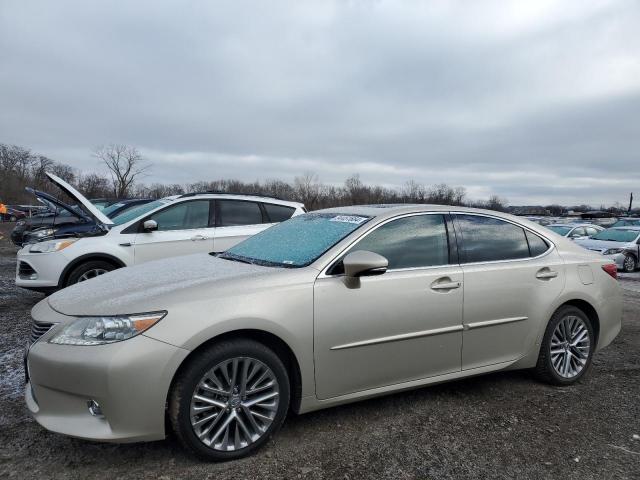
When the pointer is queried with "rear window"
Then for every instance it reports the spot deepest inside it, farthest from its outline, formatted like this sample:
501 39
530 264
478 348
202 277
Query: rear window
278 213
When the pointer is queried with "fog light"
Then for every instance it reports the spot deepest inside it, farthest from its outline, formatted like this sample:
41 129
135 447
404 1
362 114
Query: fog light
94 409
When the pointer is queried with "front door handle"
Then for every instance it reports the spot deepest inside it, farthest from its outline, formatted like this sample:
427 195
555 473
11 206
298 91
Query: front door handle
445 284
546 274
198 237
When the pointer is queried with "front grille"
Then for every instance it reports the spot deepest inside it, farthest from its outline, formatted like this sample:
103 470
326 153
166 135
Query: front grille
38 329
25 270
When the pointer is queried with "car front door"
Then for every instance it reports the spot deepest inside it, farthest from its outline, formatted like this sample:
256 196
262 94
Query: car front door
183 229
235 221
511 275
403 325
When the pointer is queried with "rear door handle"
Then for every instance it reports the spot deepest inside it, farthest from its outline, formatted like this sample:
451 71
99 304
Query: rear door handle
198 237
546 274
445 284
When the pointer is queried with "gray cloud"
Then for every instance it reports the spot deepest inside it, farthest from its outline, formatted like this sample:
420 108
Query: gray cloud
534 101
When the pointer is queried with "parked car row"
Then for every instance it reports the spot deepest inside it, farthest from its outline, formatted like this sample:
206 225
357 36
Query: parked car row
147 230
321 309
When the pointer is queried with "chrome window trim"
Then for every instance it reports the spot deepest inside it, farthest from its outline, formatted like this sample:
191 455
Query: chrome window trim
552 245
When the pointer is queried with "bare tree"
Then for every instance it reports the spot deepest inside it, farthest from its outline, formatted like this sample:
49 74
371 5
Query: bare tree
125 164
307 189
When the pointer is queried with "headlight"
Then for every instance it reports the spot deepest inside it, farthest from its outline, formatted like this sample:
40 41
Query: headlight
102 330
612 251
51 246
45 232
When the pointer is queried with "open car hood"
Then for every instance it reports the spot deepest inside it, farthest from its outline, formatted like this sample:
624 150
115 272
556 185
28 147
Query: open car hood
73 193
53 203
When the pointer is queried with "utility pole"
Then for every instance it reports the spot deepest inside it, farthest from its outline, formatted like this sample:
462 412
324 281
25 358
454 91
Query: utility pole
630 203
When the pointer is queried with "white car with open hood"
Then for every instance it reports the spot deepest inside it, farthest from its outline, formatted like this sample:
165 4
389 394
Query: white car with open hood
169 227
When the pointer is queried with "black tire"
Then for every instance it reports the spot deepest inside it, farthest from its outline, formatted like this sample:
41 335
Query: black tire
630 263
189 377
82 269
544 369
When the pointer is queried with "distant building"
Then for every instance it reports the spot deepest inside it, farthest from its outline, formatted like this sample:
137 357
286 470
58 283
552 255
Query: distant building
530 210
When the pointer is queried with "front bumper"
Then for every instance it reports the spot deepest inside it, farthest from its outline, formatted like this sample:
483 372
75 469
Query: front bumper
130 381
48 268
618 258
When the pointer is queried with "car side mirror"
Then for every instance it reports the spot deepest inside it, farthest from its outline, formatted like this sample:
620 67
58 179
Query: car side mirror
150 226
364 263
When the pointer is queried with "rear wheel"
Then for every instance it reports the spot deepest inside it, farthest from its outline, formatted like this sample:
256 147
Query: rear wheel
629 263
229 400
567 347
89 270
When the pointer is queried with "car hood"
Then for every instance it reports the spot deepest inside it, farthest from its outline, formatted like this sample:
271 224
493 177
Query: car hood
73 193
600 245
147 287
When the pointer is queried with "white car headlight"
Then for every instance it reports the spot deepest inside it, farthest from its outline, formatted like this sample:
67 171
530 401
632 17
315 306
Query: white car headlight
51 245
86 331
612 251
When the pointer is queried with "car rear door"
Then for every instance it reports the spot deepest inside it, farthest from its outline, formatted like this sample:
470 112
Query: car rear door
511 276
237 220
403 325
183 228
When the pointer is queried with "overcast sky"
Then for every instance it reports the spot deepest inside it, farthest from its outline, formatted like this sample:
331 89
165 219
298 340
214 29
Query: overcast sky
536 101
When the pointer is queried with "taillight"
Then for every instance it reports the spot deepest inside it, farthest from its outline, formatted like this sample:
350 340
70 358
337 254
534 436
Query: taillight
611 269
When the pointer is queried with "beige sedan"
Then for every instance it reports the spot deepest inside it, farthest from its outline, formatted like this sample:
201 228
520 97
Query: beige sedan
326 308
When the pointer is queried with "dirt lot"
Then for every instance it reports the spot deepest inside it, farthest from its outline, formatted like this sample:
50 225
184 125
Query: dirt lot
499 426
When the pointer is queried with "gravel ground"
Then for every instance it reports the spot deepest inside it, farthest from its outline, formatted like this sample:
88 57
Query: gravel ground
503 425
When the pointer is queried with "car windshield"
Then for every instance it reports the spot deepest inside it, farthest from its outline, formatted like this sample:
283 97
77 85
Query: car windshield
111 208
626 223
296 242
559 229
135 212
617 235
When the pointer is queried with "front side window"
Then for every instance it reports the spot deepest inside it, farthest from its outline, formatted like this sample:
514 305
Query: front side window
184 216
231 213
409 242
591 231
487 239
138 211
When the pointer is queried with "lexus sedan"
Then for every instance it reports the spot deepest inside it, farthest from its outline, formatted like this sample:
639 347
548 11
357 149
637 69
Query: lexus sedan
323 309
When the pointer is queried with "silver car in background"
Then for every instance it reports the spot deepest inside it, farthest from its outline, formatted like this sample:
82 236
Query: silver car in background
327 308
574 231
620 244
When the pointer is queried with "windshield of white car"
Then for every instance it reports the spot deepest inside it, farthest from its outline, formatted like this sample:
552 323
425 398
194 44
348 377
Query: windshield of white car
617 235
296 242
138 211
559 229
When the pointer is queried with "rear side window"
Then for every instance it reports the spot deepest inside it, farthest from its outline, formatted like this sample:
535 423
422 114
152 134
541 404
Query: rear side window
231 213
537 246
486 239
278 213
416 241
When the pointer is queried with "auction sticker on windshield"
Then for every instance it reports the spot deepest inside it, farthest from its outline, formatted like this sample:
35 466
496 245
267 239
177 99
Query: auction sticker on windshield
349 219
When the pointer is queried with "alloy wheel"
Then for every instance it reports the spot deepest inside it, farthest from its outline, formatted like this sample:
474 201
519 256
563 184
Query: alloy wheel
93 273
234 404
629 263
570 346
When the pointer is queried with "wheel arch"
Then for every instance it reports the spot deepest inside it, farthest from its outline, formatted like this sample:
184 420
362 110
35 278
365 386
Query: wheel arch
277 344
589 310
64 276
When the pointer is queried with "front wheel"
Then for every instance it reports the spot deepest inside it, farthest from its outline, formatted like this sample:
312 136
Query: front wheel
629 263
89 270
228 400
567 347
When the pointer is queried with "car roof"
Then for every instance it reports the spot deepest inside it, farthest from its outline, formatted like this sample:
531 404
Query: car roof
632 228
393 209
238 196
574 225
